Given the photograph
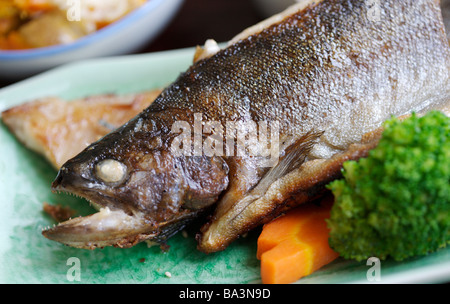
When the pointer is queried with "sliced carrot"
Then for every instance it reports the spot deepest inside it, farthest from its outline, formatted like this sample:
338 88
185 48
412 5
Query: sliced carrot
296 244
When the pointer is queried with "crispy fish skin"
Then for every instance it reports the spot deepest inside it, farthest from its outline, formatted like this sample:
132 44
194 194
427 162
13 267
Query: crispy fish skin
329 70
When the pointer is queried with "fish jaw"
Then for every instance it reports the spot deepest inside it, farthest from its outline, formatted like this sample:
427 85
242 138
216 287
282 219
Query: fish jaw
109 227
105 228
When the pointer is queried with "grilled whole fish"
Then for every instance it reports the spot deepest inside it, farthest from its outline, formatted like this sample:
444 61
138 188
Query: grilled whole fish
321 75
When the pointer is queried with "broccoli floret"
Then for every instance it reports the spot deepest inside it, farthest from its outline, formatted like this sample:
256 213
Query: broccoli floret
396 202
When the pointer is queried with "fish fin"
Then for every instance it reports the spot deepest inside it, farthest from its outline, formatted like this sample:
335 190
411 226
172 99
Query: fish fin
294 155
228 218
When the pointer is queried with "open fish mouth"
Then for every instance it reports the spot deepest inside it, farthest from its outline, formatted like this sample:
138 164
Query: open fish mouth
113 227
107 227
104 228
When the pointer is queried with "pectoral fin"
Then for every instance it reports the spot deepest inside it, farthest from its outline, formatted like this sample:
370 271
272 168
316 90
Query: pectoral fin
245 212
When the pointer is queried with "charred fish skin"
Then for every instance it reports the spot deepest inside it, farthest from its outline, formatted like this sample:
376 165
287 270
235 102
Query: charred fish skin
327 69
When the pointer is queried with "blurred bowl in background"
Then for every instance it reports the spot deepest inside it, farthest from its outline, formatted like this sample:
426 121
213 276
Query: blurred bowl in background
124 36
271 7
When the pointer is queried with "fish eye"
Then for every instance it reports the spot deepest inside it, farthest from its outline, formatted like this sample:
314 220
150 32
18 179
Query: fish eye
110 171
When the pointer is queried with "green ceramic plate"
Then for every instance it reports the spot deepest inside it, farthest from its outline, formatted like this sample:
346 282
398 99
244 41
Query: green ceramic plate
27 257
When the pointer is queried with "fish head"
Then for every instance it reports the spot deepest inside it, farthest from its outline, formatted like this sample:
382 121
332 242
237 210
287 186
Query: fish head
140 187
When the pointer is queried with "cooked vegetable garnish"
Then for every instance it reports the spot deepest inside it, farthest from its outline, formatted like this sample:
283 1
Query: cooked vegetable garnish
396 202
296 244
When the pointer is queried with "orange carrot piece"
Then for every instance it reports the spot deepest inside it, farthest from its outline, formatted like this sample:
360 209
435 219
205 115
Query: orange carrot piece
296 244
279 230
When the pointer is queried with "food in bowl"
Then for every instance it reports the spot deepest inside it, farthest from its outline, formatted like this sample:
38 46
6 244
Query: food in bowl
26 24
